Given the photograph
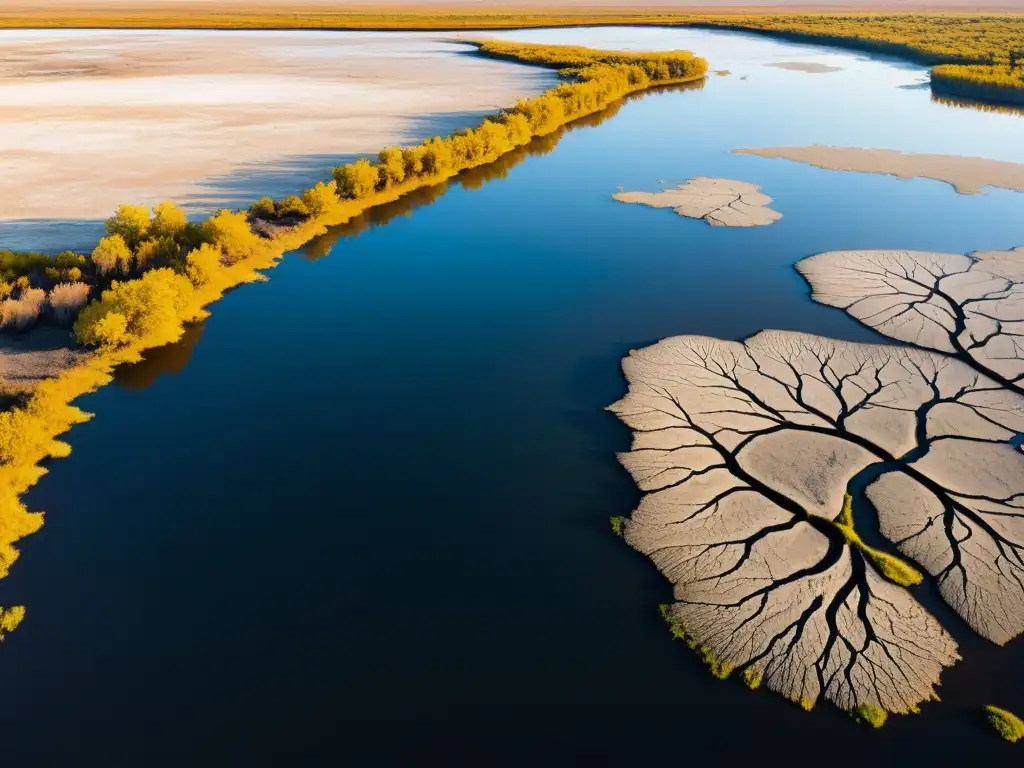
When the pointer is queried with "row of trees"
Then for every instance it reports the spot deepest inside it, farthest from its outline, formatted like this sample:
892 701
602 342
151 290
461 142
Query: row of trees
598 79
171 260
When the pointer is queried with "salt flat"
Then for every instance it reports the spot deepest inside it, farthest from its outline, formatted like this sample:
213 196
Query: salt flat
92 119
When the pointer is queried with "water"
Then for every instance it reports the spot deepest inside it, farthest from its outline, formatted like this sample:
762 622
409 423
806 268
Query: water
360 516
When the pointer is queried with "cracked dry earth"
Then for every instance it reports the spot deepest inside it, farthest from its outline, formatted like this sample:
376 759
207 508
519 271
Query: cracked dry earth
744 452
970 307
720 202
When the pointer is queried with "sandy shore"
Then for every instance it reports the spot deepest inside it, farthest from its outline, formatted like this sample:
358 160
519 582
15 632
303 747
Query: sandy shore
967 174
89 119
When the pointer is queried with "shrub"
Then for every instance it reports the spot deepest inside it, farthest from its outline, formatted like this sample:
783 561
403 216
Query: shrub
231 233
264 208
22 312
869 714
292 206
321 197
356 180
112 254
10 618
67 299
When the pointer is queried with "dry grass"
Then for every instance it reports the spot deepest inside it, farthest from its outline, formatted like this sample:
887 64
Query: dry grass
67 299
22 312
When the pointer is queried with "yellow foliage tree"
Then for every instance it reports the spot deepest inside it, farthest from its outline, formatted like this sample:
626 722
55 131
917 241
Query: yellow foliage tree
10 618
202 264
356 180
147 312
112 254
168 221
131 222
230 232
392 166
321 198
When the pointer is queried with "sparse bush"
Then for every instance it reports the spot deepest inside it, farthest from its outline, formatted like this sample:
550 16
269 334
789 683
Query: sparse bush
618 525
22 312
67 299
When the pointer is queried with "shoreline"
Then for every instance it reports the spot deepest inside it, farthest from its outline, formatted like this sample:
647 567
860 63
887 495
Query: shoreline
29 431
975 83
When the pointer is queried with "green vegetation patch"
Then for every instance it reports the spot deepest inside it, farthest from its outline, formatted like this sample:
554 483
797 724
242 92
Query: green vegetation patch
869 714
720 669
1005 723
891 567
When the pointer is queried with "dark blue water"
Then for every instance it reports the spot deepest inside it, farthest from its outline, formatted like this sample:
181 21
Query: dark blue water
360 517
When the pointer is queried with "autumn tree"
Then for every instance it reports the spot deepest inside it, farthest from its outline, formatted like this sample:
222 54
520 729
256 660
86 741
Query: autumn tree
168 221
148 311
392 166
231 233
356 180
112 254
131 222
202 264
320 198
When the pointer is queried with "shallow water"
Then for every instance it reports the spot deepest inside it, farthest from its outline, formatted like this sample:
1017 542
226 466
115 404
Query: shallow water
360 516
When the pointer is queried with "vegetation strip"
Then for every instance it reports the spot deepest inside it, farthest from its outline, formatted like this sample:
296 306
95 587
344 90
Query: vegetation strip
155 271
979 56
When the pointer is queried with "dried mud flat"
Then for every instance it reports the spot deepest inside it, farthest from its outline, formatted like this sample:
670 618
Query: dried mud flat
719 202
745 453
967 174
29 358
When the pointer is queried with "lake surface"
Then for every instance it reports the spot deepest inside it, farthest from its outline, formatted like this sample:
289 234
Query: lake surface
360 517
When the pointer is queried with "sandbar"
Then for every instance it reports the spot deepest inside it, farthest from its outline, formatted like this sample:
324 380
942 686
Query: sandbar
720 202
967 174
810 67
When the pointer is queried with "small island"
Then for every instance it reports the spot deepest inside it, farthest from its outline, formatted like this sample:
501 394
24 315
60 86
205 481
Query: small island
720 202
967 174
